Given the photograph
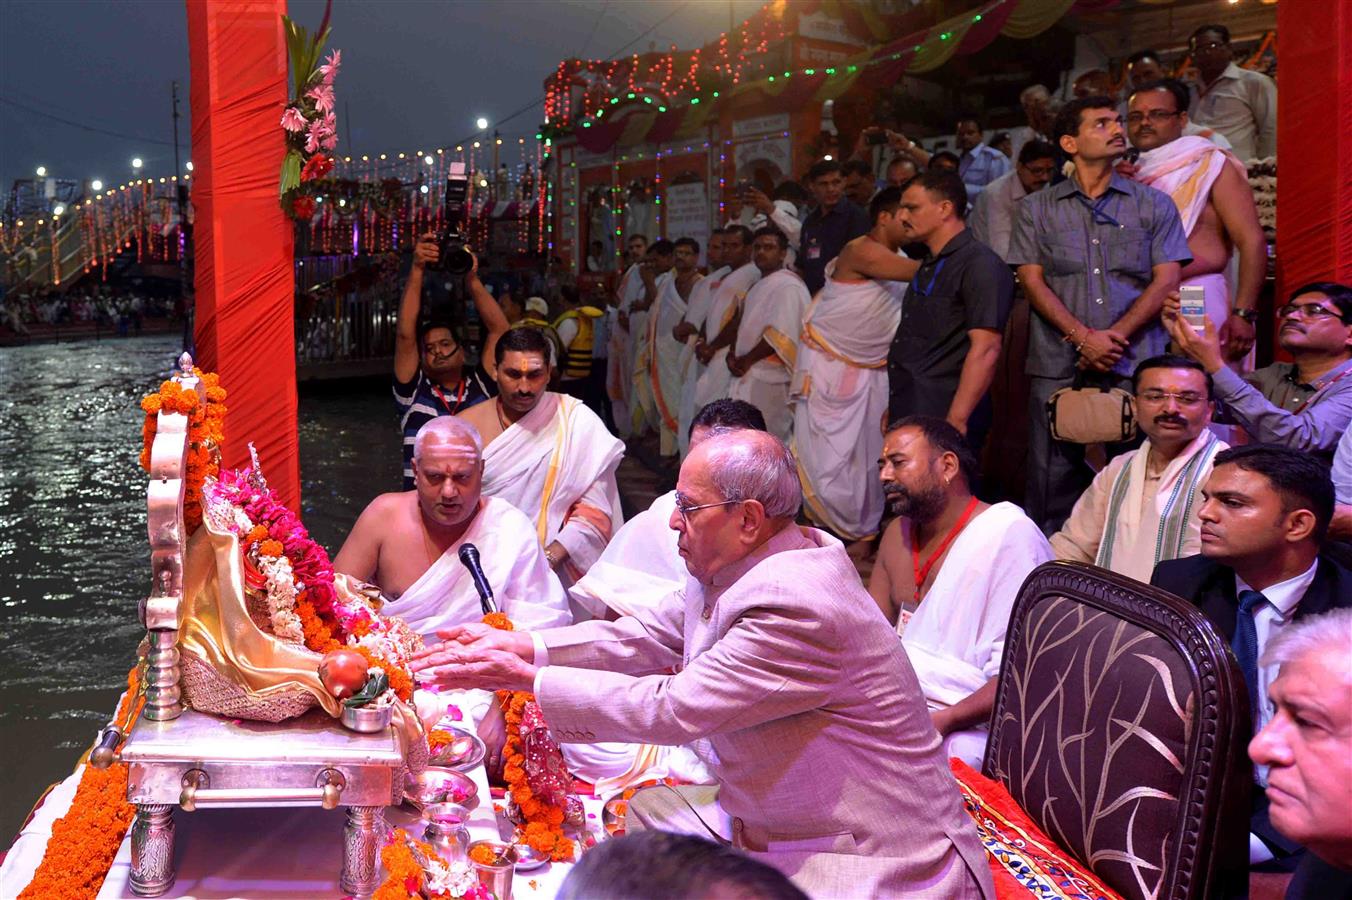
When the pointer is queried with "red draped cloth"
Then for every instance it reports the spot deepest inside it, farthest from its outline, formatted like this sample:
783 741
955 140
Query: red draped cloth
245 281
1314 145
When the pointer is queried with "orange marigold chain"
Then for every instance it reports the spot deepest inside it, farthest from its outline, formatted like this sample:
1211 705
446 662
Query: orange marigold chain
544 821
206 430
85 840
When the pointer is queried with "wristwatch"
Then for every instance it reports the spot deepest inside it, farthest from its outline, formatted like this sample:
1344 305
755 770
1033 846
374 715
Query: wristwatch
551 558
1248 315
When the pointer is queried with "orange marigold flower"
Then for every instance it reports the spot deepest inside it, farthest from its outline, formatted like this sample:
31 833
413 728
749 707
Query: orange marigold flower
499 621
256 534
270 548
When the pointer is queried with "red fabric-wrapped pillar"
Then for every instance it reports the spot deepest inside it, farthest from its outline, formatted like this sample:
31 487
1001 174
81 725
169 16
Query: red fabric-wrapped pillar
1314 144
245 280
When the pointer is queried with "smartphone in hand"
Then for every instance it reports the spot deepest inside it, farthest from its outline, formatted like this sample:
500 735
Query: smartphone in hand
1192 306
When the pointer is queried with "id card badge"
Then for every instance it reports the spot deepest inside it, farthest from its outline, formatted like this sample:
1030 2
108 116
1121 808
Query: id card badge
814 251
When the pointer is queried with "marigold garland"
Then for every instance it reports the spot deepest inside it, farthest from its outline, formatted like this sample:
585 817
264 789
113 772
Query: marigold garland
85 840
206 433
544 821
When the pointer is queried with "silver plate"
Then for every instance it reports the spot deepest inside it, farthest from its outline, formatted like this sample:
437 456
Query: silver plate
440 785
528 858
467 758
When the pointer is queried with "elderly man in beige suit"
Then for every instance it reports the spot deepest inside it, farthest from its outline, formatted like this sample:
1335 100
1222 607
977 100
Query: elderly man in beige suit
787 679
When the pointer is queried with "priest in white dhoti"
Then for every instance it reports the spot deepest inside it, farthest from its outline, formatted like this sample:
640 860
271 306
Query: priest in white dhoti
720 323
765 350
549 456
619 380
656 272
689 331
1142 508
665 369
839 388
1210 187
948 572
407 544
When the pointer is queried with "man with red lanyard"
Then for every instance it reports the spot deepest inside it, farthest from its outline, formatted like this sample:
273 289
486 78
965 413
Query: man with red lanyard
1305 404
440 386
947 573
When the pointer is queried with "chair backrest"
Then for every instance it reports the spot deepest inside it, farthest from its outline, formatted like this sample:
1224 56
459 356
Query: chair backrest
1120 726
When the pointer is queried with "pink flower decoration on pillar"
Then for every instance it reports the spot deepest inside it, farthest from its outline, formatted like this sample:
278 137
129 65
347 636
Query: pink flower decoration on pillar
293 119
322 95
330 68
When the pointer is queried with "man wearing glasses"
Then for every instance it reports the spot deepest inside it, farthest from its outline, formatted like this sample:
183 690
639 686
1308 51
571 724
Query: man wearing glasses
1211 190
786 679
1305 404
1097 253
1142 507
1239 103
993 210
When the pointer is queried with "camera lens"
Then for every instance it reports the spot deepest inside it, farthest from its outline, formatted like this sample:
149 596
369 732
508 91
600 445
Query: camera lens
458 260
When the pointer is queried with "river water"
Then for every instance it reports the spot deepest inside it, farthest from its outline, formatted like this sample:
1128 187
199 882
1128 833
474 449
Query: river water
73 551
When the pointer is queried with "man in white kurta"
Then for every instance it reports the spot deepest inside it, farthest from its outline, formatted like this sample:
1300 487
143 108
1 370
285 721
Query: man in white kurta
972 560
765 351
665 366
655 273
619 380
720 322
839 387
690 330
1142 508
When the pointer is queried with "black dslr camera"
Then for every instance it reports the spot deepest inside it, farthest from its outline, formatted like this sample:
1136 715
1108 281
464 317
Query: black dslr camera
455 257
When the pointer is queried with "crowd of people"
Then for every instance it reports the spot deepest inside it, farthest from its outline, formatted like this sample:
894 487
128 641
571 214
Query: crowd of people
825 380
121 310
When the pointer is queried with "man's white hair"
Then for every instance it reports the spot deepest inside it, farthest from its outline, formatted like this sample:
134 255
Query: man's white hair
1033 90
448 430
1327 631
754 465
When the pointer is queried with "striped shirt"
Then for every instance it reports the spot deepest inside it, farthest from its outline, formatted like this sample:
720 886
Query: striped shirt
420 401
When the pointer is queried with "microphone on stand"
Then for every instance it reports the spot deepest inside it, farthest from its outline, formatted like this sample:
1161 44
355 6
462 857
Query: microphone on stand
469 558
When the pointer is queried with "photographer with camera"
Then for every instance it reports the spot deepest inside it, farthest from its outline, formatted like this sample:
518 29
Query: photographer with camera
440 386
749 206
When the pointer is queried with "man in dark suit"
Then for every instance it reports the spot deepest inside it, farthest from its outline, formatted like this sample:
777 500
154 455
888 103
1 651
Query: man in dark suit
1266 511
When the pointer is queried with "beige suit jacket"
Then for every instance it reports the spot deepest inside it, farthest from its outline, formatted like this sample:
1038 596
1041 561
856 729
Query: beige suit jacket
819 736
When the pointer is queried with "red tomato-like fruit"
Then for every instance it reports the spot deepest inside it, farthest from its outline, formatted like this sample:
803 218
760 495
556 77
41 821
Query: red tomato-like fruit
342 672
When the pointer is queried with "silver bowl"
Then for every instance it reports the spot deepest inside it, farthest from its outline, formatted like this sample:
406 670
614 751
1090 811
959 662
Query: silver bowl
368 719
612 816
440 785
465 751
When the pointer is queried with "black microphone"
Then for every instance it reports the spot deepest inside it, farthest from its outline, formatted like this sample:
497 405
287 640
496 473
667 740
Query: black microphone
469 558
1132 155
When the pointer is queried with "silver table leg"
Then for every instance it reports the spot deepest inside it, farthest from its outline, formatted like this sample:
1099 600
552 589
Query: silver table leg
361 850
152 850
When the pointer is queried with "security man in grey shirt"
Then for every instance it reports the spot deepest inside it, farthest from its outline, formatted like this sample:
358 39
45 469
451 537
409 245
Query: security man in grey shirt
1096 254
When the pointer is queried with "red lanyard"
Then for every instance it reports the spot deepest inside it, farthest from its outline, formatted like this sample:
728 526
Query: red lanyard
922 572
459 398
1310 399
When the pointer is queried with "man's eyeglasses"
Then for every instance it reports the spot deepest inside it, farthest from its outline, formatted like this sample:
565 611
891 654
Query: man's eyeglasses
1041 171
1156 116
1184 398
1308 311
686 510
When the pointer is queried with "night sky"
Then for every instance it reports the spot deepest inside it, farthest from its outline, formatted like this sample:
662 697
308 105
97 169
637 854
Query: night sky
416 73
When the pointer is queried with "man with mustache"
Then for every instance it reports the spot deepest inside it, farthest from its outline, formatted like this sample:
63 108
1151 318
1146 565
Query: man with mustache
549 456
1211 189
1142 507
1305 404
429 357
1265 512
1097 253
948 571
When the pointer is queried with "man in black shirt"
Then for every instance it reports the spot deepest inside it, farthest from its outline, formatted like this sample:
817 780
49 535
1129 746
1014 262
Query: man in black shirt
943 357
833 224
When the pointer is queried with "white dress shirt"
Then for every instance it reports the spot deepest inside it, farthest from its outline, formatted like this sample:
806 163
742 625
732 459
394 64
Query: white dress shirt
1242 105
992 218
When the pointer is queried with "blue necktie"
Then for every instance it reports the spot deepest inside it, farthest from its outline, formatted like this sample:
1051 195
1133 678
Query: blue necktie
1245 645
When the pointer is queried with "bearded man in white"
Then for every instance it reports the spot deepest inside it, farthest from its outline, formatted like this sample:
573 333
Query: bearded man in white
949 569
549 456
